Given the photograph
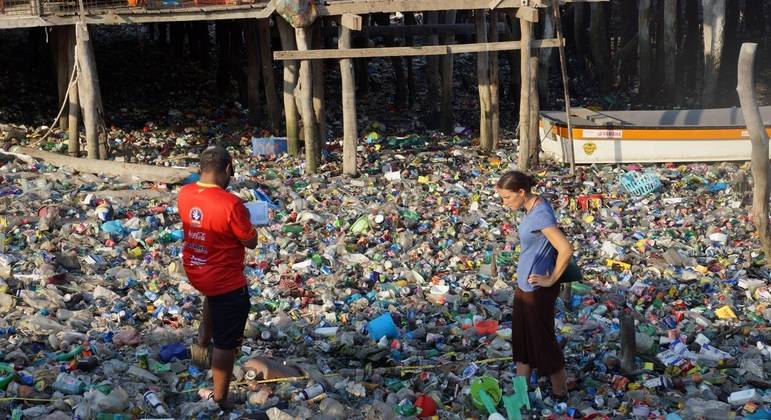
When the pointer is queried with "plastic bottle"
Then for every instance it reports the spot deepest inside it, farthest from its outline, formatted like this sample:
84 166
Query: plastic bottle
310 392
69 385
114 416
154 402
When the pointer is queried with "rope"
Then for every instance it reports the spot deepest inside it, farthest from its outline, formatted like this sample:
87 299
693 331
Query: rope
73 81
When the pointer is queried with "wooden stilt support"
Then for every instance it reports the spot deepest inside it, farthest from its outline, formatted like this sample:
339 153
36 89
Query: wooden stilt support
432 72
268 78
483 79
628 342
312 152
87 89
523 160
253 72
317 67
495 104
63 69
565 86
290 83
350 131
73 117
447 120
534 104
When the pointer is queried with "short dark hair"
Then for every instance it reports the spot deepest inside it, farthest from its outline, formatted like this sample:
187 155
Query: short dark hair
215 159
515 181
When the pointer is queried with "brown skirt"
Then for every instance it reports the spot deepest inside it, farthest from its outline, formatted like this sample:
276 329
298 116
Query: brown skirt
533 340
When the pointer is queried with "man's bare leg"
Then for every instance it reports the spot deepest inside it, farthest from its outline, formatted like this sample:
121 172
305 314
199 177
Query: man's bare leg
221 371
559 382
205 329
523 370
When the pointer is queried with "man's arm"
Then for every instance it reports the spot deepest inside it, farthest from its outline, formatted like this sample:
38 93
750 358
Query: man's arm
251 243
242 227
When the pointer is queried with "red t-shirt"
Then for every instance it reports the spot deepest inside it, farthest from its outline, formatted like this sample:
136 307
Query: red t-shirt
214 221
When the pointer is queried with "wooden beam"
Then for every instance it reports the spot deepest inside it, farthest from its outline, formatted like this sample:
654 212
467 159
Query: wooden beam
351 21
287 35
73 117
392 6
483 82
528 13
87 89
410 51
312 152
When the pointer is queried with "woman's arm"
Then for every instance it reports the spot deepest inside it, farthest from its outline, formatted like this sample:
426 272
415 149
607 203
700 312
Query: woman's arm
564 253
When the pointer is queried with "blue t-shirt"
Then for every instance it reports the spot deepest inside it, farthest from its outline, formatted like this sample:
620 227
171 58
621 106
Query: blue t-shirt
537 256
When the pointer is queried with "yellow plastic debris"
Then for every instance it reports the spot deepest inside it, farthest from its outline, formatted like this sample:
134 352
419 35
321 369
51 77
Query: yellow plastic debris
725 313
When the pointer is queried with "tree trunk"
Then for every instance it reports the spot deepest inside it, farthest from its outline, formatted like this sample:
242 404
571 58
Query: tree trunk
628 342
318 88
483 80
600 49
88 89
579 37
495 104
628 34
350 132
252 72
759 138
670 49
644 48
714 34
545 56
312 151
288 43
268 78
523 160
432 72
447 122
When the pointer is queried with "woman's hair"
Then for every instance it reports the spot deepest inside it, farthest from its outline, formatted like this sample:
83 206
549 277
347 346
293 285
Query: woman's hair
515 181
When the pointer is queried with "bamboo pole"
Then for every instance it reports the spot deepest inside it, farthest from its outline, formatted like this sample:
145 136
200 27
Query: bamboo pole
252 72
268 79
312 151
350 132
565 86
290 83
495 105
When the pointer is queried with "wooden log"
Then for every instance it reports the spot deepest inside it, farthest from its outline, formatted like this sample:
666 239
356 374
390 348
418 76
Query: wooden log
483 80
268 78
534 103
150 173
73 109
545 57
714 35
430 50
670 49
523 159
319 109
350 130
760 165
287 35
63 69
447 120
87 89
253 71
432 73
628 342
644 47
312 152
495 104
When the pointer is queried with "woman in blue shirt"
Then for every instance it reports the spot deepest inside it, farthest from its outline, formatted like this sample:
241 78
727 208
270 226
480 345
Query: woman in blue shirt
545 255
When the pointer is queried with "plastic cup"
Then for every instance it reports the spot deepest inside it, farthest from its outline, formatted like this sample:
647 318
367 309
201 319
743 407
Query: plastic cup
382 326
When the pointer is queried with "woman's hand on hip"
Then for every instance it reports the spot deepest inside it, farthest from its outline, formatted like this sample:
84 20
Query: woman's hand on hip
541 280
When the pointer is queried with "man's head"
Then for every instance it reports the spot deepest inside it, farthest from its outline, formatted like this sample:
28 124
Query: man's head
216 166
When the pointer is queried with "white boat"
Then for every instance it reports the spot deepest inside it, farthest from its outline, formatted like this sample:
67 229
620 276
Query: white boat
691 135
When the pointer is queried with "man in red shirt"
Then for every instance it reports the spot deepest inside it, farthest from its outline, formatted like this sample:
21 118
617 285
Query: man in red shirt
217 228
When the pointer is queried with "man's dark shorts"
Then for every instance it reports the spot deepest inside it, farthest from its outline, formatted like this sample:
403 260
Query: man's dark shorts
229 313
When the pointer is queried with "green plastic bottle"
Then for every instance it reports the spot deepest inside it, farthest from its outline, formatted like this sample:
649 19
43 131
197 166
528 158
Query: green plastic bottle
292 228
69 355
114 416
